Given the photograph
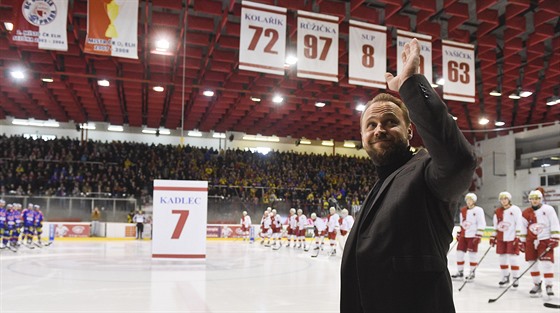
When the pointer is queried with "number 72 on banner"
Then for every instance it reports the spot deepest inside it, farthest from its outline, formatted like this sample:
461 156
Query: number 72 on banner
262 42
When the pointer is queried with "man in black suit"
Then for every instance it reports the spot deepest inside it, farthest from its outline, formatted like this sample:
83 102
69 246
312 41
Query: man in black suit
395 259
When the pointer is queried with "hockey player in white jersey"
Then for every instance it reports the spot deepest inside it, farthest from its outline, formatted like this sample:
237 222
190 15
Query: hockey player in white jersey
540 231
245 225
276 227
265 228
320 229
472 227
333 226
292 227
301 224
346 223
507 228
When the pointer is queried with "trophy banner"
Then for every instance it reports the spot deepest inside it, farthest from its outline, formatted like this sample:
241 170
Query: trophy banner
41 24
112 28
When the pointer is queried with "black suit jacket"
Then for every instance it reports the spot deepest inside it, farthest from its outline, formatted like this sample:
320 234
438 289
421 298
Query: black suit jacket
395 259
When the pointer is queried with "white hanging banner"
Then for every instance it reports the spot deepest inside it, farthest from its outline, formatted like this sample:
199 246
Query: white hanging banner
179 219
367 54
317 46
425 42
458 71
262 43
41 24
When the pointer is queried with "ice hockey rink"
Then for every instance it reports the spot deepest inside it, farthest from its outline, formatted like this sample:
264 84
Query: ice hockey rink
120 276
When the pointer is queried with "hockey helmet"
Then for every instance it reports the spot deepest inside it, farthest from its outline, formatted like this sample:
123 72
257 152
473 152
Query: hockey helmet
504 194
471 196
332 210
535 194
313 216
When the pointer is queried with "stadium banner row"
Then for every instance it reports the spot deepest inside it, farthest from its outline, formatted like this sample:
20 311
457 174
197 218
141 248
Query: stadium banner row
262 48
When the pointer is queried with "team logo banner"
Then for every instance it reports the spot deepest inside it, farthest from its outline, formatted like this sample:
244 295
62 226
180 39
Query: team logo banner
458 71
425 42
367 54
262 43
180 212
41 24
112 28
317 46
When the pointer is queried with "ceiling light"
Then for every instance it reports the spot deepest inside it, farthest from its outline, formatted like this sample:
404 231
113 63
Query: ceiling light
87 126
47 79
255 99
17 74
320 104
525 93
434 85
454 117
440 81
194 133
514 96
208 93
495 93
553 101
261 138
329 143
483 121
545 165
219 135
162 45
291 60
305 141
34 122
349 144
360 107
158 88
103 83
499 123
277 99
115 128
9 26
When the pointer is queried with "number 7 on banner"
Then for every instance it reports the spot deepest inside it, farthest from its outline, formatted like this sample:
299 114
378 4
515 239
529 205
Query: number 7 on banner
183 216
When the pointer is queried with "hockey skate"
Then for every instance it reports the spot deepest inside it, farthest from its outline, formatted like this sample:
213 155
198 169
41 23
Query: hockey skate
536 290
504 281
332 252
515 282
470 278
2 246
549 291
458 275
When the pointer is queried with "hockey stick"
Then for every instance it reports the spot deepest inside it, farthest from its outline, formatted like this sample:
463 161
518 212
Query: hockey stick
552 305
516 279
452 246
37 244
309 246
474 269
317 254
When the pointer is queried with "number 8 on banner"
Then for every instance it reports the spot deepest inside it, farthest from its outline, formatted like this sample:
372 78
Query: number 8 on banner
458 71
262 43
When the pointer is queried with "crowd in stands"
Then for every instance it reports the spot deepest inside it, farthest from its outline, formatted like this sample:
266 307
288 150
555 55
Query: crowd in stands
69 167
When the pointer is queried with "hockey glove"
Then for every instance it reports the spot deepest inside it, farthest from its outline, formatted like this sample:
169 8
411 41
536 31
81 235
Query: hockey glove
522 246
553 242
492 241
476 240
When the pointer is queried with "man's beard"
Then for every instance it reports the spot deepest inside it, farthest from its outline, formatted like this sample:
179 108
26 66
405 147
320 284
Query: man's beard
388 155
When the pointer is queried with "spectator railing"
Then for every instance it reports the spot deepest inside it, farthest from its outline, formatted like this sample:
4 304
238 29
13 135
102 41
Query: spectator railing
77 209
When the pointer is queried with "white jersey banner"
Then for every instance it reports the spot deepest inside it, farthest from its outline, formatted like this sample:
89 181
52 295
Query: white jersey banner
41 24
367 54
458 71
179 219
317 46
425 42
262 43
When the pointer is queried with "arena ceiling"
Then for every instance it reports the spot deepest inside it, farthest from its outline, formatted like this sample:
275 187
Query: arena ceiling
517 48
